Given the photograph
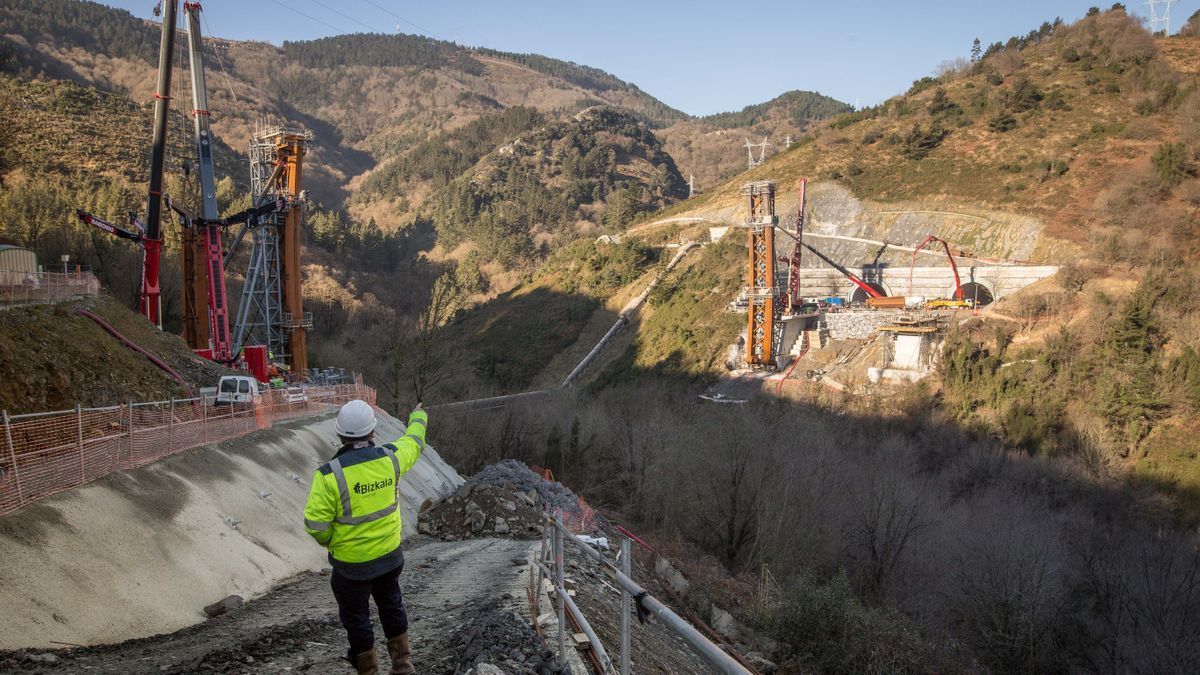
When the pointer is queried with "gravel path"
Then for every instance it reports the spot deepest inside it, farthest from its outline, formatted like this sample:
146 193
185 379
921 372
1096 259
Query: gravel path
449 587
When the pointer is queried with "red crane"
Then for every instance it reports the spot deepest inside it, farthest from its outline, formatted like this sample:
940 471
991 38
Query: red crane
794 262
958 291
149 236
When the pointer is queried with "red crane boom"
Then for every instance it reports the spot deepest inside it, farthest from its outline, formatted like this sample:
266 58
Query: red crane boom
958 291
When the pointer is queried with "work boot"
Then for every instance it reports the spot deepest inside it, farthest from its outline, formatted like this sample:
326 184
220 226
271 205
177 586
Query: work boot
401 654
367 663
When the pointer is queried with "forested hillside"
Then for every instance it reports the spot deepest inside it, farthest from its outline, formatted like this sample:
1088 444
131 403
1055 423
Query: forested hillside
712 147
601 167
406 160
1031 507
1092 131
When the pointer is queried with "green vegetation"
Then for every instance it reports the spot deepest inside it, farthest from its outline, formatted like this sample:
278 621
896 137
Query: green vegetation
920 142
87 25
442 158
894 543
543 179
687 333
801 108
1173 164
592 79
1098 395
380 51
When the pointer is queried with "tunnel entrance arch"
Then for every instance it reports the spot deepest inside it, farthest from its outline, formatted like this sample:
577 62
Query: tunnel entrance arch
859 295
977 293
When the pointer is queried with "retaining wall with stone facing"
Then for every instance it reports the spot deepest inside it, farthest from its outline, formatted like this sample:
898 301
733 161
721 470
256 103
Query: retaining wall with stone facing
858 325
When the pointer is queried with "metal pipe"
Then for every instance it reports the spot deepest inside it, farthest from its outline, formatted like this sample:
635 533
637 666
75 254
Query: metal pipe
79 440
703 646
626 569
558 579
577 615
12 453
593 639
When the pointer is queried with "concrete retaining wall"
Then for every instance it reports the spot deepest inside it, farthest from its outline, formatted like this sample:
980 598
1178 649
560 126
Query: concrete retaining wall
930 282
857 325
142 552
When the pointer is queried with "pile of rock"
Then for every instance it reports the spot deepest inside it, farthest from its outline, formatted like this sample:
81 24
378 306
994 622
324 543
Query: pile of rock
483 511
496 640
504 499
511 474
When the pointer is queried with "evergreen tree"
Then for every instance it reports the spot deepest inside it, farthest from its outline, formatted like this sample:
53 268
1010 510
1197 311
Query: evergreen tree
976 51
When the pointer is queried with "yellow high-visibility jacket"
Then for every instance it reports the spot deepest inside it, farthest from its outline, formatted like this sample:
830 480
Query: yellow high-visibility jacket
354 503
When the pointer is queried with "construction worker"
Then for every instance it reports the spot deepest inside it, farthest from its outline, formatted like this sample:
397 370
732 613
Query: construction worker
353 510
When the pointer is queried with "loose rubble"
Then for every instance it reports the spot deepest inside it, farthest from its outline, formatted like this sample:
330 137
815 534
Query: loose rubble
496 640
506 499
482 511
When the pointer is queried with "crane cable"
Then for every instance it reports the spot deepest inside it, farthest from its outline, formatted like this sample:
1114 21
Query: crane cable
220 61
307 16
344 15
414 25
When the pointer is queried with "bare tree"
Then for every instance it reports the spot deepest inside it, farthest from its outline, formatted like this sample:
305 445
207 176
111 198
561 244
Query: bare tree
421 358
886 517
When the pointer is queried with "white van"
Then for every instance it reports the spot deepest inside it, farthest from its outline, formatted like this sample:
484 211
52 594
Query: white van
236 389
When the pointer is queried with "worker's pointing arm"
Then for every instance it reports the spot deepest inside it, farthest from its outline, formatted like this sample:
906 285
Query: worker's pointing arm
408 447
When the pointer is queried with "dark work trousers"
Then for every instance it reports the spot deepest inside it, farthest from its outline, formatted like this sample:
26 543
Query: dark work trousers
354 608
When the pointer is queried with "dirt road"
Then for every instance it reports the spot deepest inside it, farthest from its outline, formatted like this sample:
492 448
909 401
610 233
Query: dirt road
455 592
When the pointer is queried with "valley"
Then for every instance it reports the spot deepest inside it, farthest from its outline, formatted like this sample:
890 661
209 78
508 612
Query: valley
986 462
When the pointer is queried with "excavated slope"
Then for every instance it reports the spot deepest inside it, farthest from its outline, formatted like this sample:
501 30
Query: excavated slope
141 552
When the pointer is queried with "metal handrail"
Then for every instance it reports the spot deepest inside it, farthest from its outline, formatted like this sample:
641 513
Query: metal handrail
630 589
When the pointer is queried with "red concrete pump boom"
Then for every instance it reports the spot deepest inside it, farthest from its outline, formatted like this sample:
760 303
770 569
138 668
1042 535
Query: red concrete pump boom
793 299
958 291
866 288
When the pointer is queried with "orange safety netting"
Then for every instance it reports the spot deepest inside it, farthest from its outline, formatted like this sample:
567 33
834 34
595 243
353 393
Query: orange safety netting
45 453
583 522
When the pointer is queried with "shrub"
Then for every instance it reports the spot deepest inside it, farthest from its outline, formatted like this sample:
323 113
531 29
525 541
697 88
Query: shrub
921 85
1024 95
920 142
828 630
941 105
1172 164
1055 101
1002 123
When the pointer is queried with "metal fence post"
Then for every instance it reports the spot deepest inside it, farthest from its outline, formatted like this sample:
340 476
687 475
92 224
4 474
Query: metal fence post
627 569
171 426
560 591
129 457
204 418
12 454
79 439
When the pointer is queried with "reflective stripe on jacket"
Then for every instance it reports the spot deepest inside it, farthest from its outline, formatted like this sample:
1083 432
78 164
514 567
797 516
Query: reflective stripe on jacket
354 503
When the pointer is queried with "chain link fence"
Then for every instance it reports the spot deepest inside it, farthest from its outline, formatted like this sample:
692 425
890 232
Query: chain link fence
45 453
40 288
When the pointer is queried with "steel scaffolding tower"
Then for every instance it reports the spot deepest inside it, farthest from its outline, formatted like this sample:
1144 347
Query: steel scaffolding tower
761 298
261 317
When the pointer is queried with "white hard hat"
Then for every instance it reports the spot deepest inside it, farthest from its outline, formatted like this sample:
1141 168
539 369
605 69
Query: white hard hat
356 419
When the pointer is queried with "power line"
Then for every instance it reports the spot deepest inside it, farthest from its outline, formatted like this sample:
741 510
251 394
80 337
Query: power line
220 61
308 16
344 15
414 25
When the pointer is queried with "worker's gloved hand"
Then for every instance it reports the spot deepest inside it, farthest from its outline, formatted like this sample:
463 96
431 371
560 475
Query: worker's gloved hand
418 407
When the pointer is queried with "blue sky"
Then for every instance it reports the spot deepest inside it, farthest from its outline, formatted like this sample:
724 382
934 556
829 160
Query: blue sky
700 57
